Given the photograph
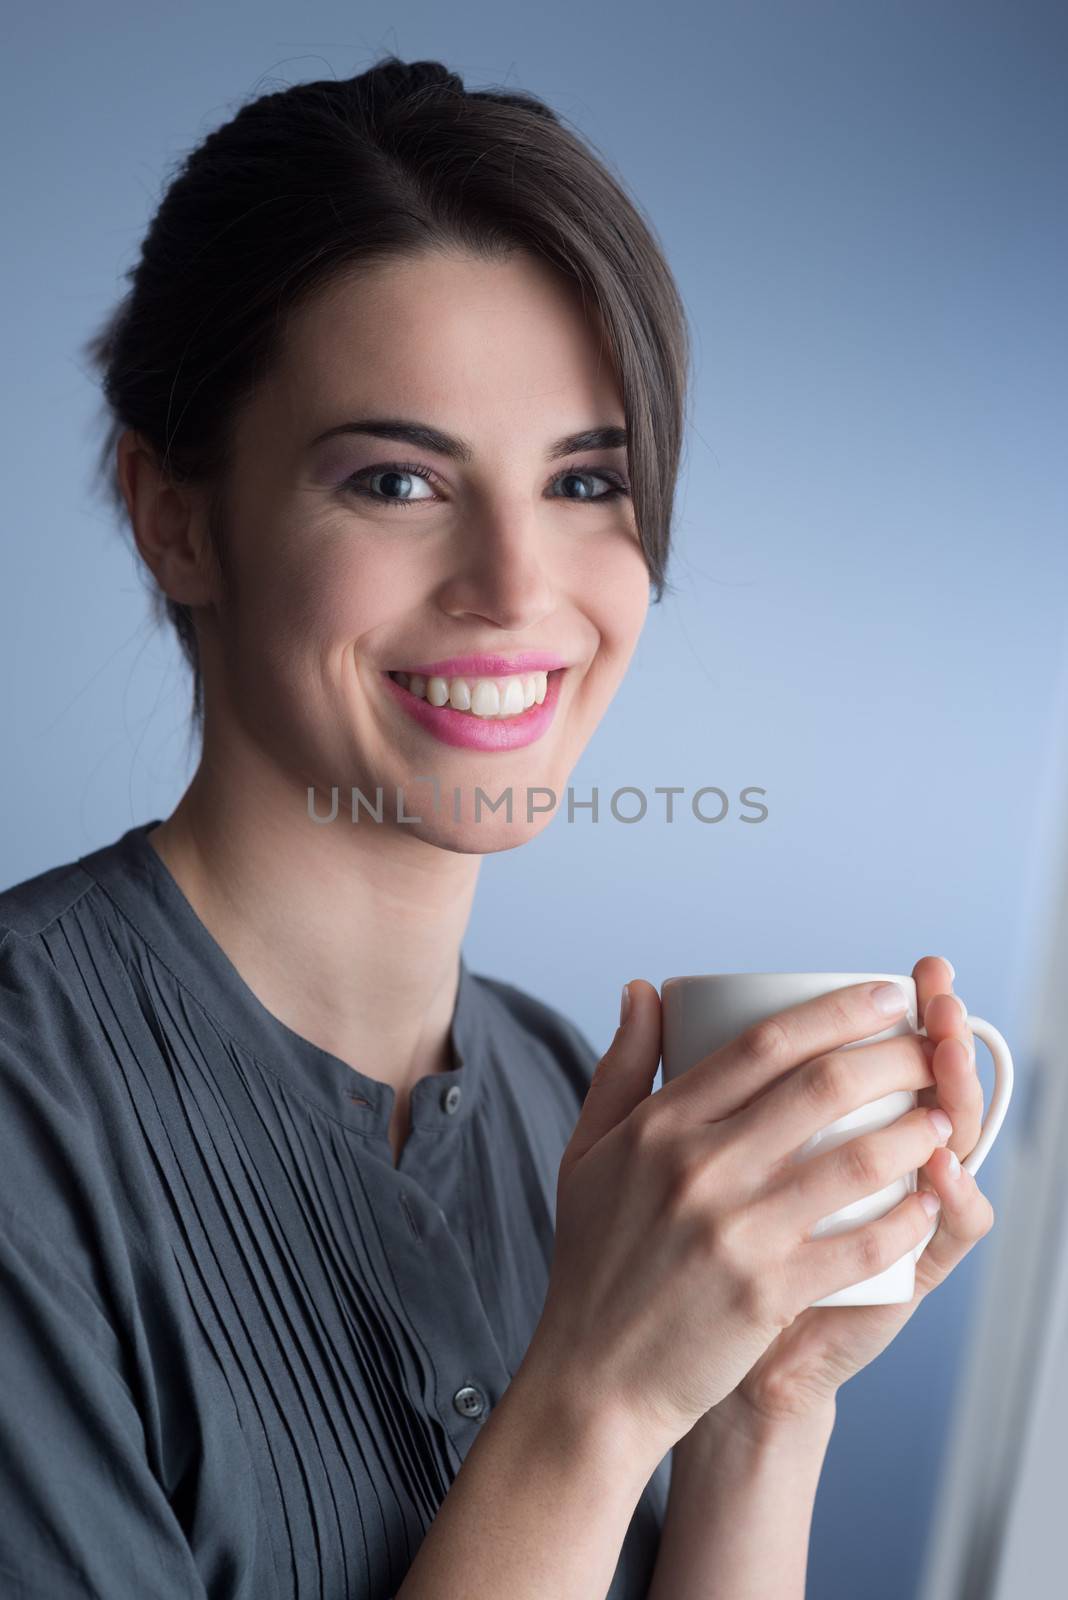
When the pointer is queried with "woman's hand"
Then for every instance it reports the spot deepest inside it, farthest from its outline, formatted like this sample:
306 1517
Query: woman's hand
682 1247
824 1346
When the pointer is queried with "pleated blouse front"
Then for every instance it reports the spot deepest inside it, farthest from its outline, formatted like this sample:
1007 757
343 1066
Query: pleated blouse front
243 1354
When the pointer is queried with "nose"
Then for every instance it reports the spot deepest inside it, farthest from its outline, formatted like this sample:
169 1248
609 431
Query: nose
500 572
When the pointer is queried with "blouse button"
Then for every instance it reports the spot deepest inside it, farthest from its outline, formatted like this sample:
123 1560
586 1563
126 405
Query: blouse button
468 1401
450 1098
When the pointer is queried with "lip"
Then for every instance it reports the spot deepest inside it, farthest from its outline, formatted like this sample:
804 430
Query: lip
466 732
487 666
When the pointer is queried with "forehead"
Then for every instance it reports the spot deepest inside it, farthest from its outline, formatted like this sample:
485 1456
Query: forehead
454 339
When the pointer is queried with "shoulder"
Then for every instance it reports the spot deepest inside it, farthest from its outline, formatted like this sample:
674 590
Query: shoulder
53 1177
53 986
73 1175
543 1031
40 1022
30 907
44 1132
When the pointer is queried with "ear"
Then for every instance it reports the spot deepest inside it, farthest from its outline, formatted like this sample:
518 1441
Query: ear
169 523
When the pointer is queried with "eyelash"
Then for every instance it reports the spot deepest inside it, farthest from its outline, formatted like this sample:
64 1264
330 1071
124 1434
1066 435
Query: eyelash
354 484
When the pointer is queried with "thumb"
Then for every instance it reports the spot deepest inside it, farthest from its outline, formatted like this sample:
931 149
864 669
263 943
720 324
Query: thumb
624 1075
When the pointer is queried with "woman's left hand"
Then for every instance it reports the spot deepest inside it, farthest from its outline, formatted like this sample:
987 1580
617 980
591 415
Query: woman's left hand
802 1369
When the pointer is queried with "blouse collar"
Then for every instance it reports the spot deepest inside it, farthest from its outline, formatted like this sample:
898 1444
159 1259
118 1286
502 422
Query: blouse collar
138 881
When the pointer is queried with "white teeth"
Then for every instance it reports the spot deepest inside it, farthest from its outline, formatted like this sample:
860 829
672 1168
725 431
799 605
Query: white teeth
514 698
485 699
480 697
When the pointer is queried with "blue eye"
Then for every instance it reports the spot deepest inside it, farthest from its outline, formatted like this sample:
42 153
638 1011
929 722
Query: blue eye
394 469
356 484
616 486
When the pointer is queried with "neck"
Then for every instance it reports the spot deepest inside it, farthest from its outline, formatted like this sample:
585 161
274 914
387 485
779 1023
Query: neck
349 933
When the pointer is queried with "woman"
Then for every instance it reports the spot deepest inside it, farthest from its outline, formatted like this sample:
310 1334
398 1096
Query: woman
395 405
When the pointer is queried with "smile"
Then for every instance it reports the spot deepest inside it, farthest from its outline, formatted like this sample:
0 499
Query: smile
479 697
480 713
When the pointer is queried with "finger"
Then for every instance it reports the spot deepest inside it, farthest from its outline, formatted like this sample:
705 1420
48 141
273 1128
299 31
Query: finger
740 1069
818 1092
821 1184
932 975
946 1019
959 1093
623 1077
839 1260
965 1218
946 1015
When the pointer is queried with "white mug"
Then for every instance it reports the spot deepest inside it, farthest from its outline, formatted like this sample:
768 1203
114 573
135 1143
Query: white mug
703 1012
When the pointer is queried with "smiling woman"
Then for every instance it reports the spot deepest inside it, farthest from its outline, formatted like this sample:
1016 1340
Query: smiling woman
394 408
324 182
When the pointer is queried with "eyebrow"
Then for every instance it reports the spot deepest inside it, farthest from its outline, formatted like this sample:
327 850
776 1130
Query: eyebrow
423 437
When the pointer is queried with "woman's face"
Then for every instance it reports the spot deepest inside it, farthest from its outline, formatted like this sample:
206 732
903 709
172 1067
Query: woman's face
360 554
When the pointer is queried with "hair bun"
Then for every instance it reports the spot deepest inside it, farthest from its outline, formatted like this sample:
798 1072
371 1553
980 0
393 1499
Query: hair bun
395 80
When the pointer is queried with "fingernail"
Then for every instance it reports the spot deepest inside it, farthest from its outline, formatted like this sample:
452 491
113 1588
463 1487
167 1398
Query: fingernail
963 1008
940 1123
952 968
954 1165
889 998
624 1004
930 1202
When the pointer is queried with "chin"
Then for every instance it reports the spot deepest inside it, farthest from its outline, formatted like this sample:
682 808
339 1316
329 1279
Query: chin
483 838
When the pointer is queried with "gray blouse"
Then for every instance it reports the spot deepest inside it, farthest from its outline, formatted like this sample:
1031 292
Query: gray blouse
243 1355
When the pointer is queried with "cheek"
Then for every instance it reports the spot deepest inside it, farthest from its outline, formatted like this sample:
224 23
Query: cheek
323 602
616 591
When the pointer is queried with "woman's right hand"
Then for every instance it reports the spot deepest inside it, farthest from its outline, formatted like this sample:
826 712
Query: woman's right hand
682 1217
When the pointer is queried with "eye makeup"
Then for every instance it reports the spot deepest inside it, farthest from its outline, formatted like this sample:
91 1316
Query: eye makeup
357 483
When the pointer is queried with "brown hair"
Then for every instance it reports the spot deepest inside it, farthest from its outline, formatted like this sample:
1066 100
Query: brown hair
321 178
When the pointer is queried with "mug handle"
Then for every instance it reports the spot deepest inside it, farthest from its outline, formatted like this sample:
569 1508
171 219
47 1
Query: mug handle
995 1115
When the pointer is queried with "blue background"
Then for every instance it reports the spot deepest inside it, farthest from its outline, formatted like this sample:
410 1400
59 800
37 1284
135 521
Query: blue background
863 205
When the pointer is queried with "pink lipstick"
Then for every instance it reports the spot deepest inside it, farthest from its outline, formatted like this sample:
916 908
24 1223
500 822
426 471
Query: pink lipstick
487 666
464 730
